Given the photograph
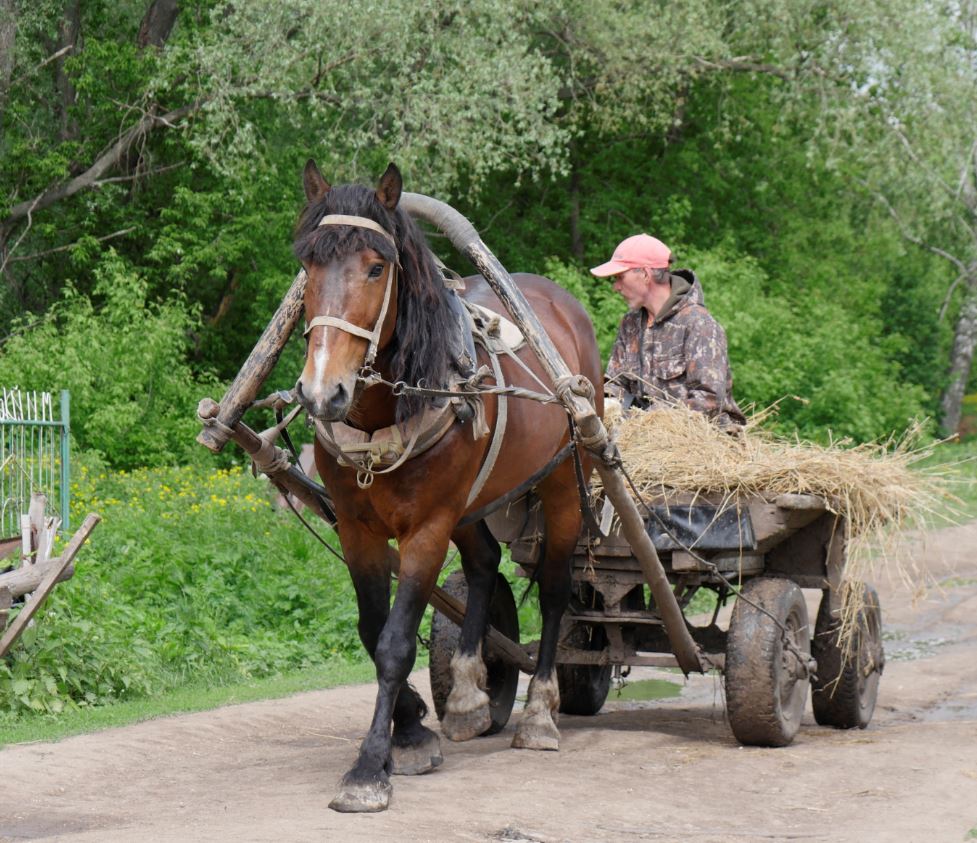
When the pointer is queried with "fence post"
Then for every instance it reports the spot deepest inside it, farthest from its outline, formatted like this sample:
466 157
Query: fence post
65 461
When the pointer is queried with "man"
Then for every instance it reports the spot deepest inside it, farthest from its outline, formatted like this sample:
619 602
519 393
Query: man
669 349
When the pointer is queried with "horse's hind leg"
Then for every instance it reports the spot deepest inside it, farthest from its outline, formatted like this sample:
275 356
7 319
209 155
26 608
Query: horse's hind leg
467 713
561 511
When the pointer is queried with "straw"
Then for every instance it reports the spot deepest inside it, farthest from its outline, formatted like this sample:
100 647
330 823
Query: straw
878 487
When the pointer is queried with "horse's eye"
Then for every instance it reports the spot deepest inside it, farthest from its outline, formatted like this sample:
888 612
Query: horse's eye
376 270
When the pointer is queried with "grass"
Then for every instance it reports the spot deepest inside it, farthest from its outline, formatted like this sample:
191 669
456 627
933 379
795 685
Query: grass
192 697
193 590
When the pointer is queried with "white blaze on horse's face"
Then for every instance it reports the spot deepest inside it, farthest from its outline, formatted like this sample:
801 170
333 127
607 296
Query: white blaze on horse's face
350 289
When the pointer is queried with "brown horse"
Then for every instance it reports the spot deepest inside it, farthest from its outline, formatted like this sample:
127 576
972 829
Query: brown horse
375 301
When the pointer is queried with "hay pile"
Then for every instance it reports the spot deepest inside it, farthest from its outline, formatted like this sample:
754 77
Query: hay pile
875 486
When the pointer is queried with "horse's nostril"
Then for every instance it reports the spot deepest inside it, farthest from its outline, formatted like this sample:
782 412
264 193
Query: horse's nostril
338 399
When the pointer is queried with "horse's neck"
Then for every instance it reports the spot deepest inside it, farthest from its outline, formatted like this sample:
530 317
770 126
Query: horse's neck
376 408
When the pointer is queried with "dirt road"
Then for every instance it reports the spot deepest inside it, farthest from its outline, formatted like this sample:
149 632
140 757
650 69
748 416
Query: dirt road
665 770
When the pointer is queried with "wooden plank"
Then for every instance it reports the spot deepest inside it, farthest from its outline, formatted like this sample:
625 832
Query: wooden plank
791 500
6 601
25 539
45 541
47 584
9 546
26 578
35 517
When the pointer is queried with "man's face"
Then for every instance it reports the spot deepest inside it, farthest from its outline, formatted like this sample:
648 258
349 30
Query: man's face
632 285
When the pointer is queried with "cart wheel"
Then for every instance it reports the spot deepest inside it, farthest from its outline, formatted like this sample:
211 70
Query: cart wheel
584 687
766 685
503 677
844 691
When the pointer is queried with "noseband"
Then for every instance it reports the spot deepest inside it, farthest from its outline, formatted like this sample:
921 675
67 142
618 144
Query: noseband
334 321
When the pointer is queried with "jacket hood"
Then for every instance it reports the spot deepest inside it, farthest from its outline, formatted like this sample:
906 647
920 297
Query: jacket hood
686 291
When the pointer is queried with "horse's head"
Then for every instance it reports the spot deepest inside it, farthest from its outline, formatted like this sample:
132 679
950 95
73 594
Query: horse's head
347 243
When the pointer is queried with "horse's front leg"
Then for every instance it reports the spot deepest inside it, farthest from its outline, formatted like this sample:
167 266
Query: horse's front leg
415 749
366 787
467 713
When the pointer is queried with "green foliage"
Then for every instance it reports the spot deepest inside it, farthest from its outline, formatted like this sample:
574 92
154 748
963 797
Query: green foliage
819 359
193 576
597 295
816 358
559 130
123 357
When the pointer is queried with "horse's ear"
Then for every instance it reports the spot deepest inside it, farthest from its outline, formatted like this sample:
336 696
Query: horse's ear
390 187
315 185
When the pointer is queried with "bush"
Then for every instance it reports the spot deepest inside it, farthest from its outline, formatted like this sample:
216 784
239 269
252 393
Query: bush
123 358
192 576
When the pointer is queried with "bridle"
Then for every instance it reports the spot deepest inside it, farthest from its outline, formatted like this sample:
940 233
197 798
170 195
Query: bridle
334 321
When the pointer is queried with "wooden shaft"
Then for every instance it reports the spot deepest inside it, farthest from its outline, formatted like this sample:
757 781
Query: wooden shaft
633 528
45 586
289 482
256 369
453 609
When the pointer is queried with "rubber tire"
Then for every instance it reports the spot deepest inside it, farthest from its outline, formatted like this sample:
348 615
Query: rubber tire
583 687
503 677
849 702
764 702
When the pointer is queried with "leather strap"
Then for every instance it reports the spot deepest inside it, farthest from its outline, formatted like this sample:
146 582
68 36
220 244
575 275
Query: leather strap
497 434
358 222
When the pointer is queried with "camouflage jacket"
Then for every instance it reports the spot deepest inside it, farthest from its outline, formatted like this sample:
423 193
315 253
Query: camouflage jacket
678 357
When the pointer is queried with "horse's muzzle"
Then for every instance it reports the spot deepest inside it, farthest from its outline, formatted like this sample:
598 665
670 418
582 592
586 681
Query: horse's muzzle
330 404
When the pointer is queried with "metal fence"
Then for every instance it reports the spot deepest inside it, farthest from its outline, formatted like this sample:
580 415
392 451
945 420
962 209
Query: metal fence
34 455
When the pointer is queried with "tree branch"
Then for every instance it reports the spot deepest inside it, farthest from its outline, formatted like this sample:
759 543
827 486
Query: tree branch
948 188
47 252
106 161
744 64
912 238
157 23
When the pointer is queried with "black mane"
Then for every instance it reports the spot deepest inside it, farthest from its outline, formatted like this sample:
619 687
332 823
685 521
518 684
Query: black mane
421 347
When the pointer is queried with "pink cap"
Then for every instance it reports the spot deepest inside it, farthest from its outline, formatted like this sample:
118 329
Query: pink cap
639 250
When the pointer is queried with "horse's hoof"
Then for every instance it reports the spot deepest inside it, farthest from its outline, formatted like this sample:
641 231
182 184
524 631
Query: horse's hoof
417 759
362 797
463 726
532 735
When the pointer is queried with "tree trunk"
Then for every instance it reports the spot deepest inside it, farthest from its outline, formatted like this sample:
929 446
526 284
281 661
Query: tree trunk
576 239
961 358
157 23
69 31
8 37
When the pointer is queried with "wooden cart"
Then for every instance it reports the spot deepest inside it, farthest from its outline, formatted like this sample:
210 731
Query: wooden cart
768 549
